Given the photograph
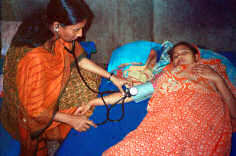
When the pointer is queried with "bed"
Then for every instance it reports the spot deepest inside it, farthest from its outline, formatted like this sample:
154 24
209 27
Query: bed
97 140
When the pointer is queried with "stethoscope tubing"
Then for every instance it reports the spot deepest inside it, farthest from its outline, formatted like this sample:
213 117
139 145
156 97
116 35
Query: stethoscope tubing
72 51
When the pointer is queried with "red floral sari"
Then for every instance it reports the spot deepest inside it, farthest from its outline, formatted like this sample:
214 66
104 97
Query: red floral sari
185 117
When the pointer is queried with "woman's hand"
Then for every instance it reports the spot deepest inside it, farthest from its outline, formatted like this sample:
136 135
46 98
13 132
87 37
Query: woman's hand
206 72
120 82
82 110
80 123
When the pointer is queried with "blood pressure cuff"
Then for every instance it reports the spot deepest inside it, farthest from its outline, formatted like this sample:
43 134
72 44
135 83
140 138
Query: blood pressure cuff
144 92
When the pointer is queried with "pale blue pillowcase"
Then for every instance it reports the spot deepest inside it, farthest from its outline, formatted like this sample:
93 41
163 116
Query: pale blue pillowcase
137 51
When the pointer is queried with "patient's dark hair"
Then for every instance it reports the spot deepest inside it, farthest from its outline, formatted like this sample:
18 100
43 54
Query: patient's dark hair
189 45
34 30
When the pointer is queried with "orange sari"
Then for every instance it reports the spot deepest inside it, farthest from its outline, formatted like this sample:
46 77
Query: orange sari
185 117
41 78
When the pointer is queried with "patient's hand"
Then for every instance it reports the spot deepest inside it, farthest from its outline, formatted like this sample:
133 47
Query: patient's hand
207 72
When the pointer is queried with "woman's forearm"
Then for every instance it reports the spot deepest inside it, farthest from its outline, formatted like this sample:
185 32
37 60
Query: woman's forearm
94 68
227 96
62 117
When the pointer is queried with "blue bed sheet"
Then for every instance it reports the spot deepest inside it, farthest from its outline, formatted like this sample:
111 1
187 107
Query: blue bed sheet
96 140
8 145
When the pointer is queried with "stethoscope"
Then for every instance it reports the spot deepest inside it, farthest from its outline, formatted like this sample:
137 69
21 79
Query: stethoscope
128 92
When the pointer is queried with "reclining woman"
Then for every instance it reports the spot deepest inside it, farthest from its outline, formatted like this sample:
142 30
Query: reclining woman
191 110
33 109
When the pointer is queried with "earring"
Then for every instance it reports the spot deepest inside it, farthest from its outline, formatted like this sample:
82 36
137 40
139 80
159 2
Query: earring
56 28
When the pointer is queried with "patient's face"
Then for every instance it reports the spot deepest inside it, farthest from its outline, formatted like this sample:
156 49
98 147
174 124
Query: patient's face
183 55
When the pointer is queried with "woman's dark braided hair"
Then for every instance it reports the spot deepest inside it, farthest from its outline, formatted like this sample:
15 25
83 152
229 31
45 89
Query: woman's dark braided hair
34 30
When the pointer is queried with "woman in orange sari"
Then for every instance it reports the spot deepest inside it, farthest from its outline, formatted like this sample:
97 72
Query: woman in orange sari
41 77
190 113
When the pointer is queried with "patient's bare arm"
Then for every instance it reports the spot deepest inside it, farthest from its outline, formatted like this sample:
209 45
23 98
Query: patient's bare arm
228 97
109 99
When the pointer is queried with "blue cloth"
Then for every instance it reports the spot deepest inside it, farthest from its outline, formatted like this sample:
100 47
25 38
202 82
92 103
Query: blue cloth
137 51
89 47
1 65
164 59
96 140
8 145
233 149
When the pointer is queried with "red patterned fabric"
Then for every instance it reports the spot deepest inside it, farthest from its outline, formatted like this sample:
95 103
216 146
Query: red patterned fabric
185 117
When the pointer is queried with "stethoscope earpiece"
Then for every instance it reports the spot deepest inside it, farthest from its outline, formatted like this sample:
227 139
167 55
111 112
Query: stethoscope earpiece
56 29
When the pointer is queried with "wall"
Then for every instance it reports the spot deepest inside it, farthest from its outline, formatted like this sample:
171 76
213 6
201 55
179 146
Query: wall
117 22
209 23
17 10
